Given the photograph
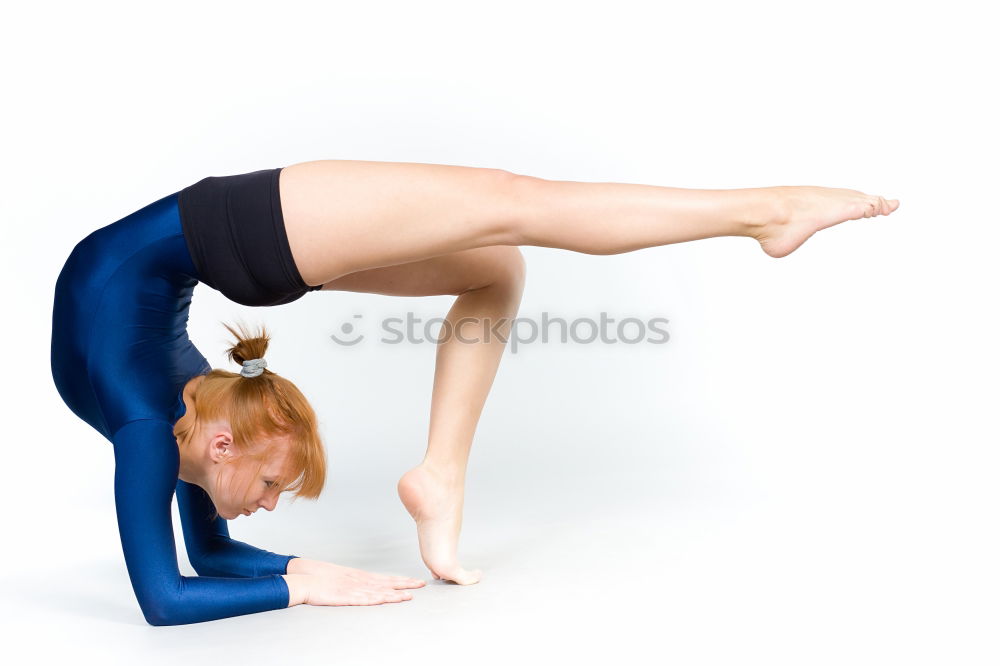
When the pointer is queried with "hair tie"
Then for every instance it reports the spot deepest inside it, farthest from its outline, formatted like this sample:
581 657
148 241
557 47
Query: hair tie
253 368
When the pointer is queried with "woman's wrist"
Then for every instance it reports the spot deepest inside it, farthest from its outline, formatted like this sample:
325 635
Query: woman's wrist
292 565
298 589
302 565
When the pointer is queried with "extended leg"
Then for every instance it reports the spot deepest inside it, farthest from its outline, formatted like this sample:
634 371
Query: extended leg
489 282
344 216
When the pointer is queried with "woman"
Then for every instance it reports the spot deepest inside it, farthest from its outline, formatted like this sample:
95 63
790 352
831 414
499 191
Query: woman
123 362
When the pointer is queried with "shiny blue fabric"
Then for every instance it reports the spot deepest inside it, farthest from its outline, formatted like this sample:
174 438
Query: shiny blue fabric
120 359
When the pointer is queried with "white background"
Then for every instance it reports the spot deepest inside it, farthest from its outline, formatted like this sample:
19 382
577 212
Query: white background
806 473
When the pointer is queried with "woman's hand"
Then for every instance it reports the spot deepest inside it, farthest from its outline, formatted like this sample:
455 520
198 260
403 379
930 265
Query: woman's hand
320 583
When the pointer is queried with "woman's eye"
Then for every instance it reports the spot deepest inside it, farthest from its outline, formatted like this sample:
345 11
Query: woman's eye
269 483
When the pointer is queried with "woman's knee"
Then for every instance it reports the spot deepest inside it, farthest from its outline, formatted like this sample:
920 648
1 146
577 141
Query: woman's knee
515 265
507 267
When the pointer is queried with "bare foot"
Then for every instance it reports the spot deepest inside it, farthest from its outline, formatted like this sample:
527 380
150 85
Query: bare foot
801 211
436 505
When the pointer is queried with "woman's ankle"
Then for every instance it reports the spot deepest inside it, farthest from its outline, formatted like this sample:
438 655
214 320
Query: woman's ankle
765 208
445 472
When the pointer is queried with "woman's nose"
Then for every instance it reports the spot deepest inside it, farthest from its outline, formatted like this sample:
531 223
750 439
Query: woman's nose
268 502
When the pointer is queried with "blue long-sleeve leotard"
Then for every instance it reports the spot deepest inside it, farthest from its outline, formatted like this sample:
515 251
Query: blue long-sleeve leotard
120 359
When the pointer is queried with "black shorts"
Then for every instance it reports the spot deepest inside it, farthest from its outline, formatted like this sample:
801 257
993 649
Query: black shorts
235 233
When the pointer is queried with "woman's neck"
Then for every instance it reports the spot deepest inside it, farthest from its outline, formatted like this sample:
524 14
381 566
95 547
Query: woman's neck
190 470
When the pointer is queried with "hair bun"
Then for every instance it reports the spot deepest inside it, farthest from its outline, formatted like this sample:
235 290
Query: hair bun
249 345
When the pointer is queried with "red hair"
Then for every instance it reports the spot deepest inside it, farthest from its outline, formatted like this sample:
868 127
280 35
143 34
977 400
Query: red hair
260 409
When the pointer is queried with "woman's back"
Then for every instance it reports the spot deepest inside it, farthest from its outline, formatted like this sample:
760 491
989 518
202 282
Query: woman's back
120 348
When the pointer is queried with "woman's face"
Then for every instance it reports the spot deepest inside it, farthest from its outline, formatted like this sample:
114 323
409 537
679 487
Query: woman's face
239 490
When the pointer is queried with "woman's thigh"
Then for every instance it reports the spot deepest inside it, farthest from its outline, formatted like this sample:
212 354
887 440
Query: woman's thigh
345 216
452 273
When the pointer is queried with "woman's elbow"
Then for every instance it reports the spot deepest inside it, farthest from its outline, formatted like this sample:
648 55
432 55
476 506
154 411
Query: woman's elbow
164 610
158 617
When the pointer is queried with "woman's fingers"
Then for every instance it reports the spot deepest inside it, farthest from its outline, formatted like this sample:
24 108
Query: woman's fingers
375 596
391 596
399 582
402 583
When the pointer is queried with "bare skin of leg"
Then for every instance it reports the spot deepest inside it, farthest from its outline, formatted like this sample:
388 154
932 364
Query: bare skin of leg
344 216
488 282
408 229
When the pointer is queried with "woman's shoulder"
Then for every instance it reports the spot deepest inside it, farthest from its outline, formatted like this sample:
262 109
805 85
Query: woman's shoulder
146 394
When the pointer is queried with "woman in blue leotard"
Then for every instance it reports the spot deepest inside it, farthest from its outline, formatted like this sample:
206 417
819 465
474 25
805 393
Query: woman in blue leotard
227 443
122 360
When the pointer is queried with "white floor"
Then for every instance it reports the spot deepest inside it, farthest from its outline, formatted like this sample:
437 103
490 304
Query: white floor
629 562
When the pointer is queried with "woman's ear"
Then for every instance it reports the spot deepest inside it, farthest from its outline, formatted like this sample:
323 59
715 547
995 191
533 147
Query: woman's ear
220 447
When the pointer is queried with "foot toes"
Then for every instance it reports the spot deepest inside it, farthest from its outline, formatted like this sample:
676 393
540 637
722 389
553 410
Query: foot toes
473 576
468 577
460 576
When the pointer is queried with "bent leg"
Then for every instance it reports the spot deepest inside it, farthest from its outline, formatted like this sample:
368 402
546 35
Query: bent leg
489 282
449 274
